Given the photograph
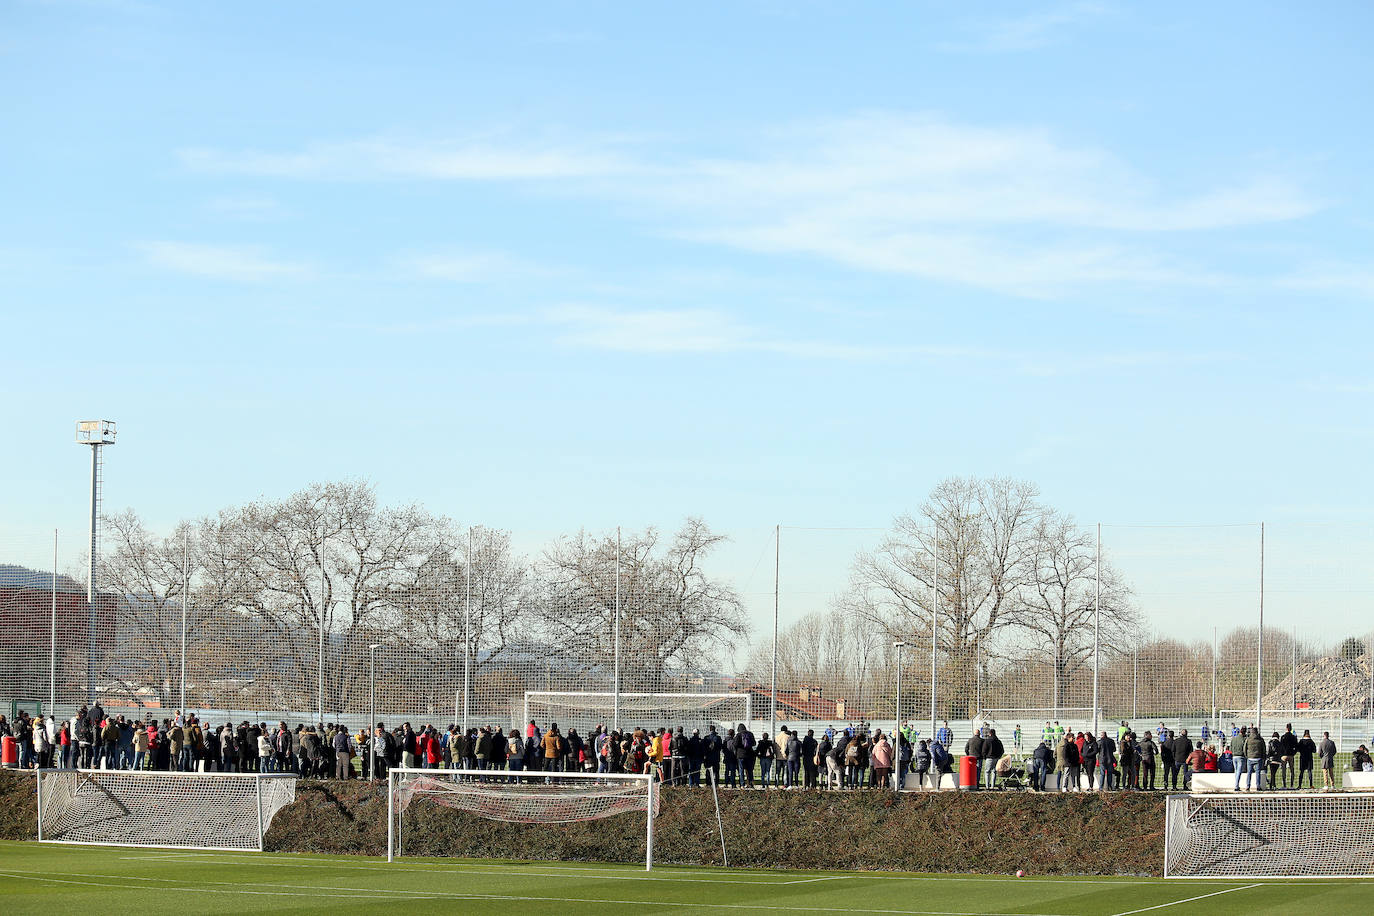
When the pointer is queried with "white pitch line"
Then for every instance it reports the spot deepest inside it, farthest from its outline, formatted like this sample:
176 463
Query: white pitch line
323 892
1160 906
672 873
297 890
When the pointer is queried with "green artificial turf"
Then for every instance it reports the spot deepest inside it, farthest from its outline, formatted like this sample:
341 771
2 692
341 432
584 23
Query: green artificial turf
43 878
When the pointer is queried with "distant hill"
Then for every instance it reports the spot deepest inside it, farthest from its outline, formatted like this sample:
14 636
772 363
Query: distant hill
12 576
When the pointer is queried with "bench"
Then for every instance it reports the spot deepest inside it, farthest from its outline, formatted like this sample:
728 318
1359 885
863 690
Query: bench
1353 779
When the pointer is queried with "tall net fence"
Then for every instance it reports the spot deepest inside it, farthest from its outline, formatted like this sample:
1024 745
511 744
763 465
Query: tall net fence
328 606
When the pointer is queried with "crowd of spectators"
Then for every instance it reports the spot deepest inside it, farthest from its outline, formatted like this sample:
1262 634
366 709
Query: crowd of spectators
853 757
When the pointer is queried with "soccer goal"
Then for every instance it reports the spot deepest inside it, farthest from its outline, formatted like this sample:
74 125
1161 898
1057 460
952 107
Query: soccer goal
586 710
1273 720
1269 836
161 810
520 797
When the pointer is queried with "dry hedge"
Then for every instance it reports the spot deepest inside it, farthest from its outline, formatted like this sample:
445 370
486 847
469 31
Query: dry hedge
984 832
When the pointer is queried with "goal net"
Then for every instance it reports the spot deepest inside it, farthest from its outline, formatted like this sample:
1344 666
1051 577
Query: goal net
585 711
163 810
520 797
1263 836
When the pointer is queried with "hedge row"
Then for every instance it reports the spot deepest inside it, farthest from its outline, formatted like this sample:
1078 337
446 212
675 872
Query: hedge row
988 832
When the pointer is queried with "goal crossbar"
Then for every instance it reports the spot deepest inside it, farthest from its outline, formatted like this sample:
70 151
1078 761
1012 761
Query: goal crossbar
500 795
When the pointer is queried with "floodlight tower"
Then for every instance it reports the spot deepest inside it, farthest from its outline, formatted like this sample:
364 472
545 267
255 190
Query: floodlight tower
96 434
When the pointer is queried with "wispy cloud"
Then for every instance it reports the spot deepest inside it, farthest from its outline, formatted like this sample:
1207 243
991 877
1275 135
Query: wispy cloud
465 266
254 208
695 331
1011 209
380 159
1028 32
1332 385
1332 277
244 264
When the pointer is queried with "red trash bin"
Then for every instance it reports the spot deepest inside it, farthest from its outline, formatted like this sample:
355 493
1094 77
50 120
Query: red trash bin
9 752
968 772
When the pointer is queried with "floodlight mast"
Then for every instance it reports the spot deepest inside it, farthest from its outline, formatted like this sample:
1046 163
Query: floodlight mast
97 434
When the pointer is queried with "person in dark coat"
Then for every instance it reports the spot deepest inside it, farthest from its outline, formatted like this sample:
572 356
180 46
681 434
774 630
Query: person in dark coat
809 766
1289 743
1106 762
1182 750
710 752
1148 750
992 752
1306 749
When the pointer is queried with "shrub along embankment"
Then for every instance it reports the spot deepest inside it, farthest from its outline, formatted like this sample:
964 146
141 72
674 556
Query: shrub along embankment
984 832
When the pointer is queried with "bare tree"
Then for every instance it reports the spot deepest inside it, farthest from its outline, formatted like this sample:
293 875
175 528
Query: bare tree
1061 602
672 614
987 534
146 574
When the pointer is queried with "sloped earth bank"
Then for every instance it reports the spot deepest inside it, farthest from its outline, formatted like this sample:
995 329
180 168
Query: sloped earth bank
987 832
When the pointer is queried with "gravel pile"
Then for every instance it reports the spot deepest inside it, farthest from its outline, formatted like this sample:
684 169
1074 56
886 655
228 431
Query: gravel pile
1332 682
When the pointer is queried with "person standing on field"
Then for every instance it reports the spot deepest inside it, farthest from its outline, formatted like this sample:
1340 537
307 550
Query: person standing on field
1288 742
1254 758
1148 751
1238 754
1307 748
1067 761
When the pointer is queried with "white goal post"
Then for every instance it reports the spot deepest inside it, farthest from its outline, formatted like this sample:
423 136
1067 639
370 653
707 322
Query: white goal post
162 810
522 796
585 710
1267 835
1273 720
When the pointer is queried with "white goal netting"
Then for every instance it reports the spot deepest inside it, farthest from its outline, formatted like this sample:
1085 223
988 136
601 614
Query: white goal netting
522 797
165 810
586 710
1269 835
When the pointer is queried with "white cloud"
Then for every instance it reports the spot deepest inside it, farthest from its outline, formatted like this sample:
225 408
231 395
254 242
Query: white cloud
696 331
221 262
1026 33
247 208
464 267
1013 209
378 159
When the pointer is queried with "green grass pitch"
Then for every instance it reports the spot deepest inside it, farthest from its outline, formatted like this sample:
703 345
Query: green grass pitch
51 879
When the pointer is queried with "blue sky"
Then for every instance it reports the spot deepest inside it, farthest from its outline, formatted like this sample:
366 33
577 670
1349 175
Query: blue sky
589 264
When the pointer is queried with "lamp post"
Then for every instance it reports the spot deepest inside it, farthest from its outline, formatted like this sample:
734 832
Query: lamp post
897 718
372 710
97 434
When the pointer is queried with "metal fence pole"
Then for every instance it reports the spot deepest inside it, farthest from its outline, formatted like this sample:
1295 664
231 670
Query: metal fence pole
777 579
934 623
1259 644
52 636
467 635
1097 625
185 597
615 701
319 668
